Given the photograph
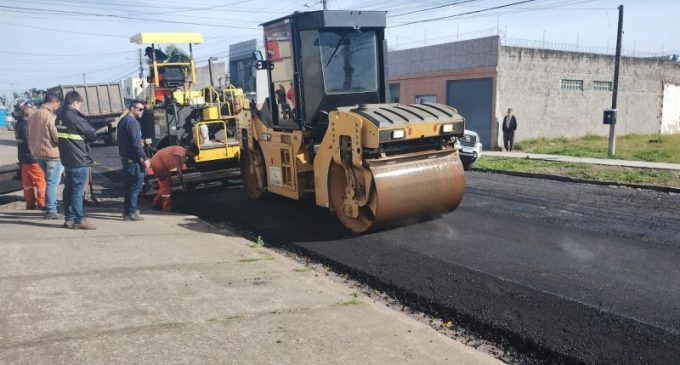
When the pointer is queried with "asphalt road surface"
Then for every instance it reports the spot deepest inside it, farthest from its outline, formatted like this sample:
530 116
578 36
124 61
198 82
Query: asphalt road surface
564 272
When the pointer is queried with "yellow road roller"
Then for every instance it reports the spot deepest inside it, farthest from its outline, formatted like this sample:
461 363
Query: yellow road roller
326 131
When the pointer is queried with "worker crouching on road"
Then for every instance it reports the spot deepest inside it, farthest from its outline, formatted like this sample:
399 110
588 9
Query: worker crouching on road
75 134
32 176
162 163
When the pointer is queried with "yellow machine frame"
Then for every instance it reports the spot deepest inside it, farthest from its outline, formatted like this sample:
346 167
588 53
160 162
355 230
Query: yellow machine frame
184 95
230 149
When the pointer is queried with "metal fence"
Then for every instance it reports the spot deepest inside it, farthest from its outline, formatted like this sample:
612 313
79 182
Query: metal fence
571 47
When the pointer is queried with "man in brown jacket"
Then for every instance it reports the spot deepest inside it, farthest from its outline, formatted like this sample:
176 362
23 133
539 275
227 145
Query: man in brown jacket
44 145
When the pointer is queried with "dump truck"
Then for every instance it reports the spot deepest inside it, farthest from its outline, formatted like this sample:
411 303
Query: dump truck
103 106
326 131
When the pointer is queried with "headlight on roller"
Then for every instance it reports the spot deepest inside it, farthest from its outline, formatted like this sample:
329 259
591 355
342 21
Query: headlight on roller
398 134
447 128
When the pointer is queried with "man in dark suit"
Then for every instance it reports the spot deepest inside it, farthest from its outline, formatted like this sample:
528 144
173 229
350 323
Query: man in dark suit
509 127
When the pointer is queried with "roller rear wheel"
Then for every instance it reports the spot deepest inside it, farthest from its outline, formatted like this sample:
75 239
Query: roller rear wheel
253 174
336 189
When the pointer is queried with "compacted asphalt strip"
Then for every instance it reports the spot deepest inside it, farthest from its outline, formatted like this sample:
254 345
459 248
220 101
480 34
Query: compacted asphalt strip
566 272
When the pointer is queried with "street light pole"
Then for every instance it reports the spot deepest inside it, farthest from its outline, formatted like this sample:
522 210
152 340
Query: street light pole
611 151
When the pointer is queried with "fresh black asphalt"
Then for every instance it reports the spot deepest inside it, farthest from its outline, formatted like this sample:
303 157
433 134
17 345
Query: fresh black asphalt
566 272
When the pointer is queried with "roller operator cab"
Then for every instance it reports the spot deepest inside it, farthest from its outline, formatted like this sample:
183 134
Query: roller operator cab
325 129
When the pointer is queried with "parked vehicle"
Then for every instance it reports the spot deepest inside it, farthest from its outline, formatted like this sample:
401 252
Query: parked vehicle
103 106
470 148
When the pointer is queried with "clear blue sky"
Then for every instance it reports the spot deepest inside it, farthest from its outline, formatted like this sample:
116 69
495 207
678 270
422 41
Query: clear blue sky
51 42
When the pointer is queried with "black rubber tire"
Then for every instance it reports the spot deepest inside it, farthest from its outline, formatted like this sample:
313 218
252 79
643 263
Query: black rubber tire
251 184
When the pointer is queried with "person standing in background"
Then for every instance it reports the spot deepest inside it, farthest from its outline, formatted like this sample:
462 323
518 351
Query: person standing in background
133 158
509 128
43 143
75 134
32 176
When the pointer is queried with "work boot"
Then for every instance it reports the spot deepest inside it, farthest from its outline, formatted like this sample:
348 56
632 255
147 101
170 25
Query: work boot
137 212
68 224
52 215
133 217
85 224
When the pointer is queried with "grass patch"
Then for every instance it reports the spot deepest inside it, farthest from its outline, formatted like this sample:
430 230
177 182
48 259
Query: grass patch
582 171
255 259
350 302
637 147
259 242
301 269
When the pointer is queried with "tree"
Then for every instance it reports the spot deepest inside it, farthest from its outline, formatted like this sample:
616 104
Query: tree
175 54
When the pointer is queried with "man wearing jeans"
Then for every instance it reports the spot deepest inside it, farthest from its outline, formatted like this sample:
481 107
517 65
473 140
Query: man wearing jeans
43 144
74 135
133 158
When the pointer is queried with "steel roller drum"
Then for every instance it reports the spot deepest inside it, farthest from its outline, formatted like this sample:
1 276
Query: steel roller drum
417 187
413 187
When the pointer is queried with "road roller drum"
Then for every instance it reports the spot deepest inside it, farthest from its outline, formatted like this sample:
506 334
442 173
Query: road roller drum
402 188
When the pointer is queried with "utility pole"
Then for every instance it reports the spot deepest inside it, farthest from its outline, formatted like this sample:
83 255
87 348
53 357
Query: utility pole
325 4
611 151
210 71
141 68
84 79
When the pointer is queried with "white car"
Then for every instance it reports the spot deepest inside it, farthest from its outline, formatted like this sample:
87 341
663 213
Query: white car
470 148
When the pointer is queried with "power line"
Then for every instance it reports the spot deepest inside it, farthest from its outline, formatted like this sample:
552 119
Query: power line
435 7
463 14
68 55
19 9
64 31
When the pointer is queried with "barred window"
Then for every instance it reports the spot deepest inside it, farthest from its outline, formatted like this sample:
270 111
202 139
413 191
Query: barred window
572 84
602 85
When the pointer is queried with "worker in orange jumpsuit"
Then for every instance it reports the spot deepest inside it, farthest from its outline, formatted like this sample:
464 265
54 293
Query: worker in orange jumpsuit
162 163
32 177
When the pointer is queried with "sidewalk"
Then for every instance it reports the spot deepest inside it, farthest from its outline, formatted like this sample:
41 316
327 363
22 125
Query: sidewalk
175 290
588 160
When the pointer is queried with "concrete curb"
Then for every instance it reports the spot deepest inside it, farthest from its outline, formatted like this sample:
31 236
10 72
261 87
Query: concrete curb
659 188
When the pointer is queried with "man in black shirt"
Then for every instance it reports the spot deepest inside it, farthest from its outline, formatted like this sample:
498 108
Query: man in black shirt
75 134
509 128
135 162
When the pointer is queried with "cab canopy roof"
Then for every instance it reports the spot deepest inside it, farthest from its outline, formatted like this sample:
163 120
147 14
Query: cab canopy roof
167 38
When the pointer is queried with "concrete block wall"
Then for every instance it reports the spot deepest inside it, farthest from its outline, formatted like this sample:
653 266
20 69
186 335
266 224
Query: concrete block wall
529 81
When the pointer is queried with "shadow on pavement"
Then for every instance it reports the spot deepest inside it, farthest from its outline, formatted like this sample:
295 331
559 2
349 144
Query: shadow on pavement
53 224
